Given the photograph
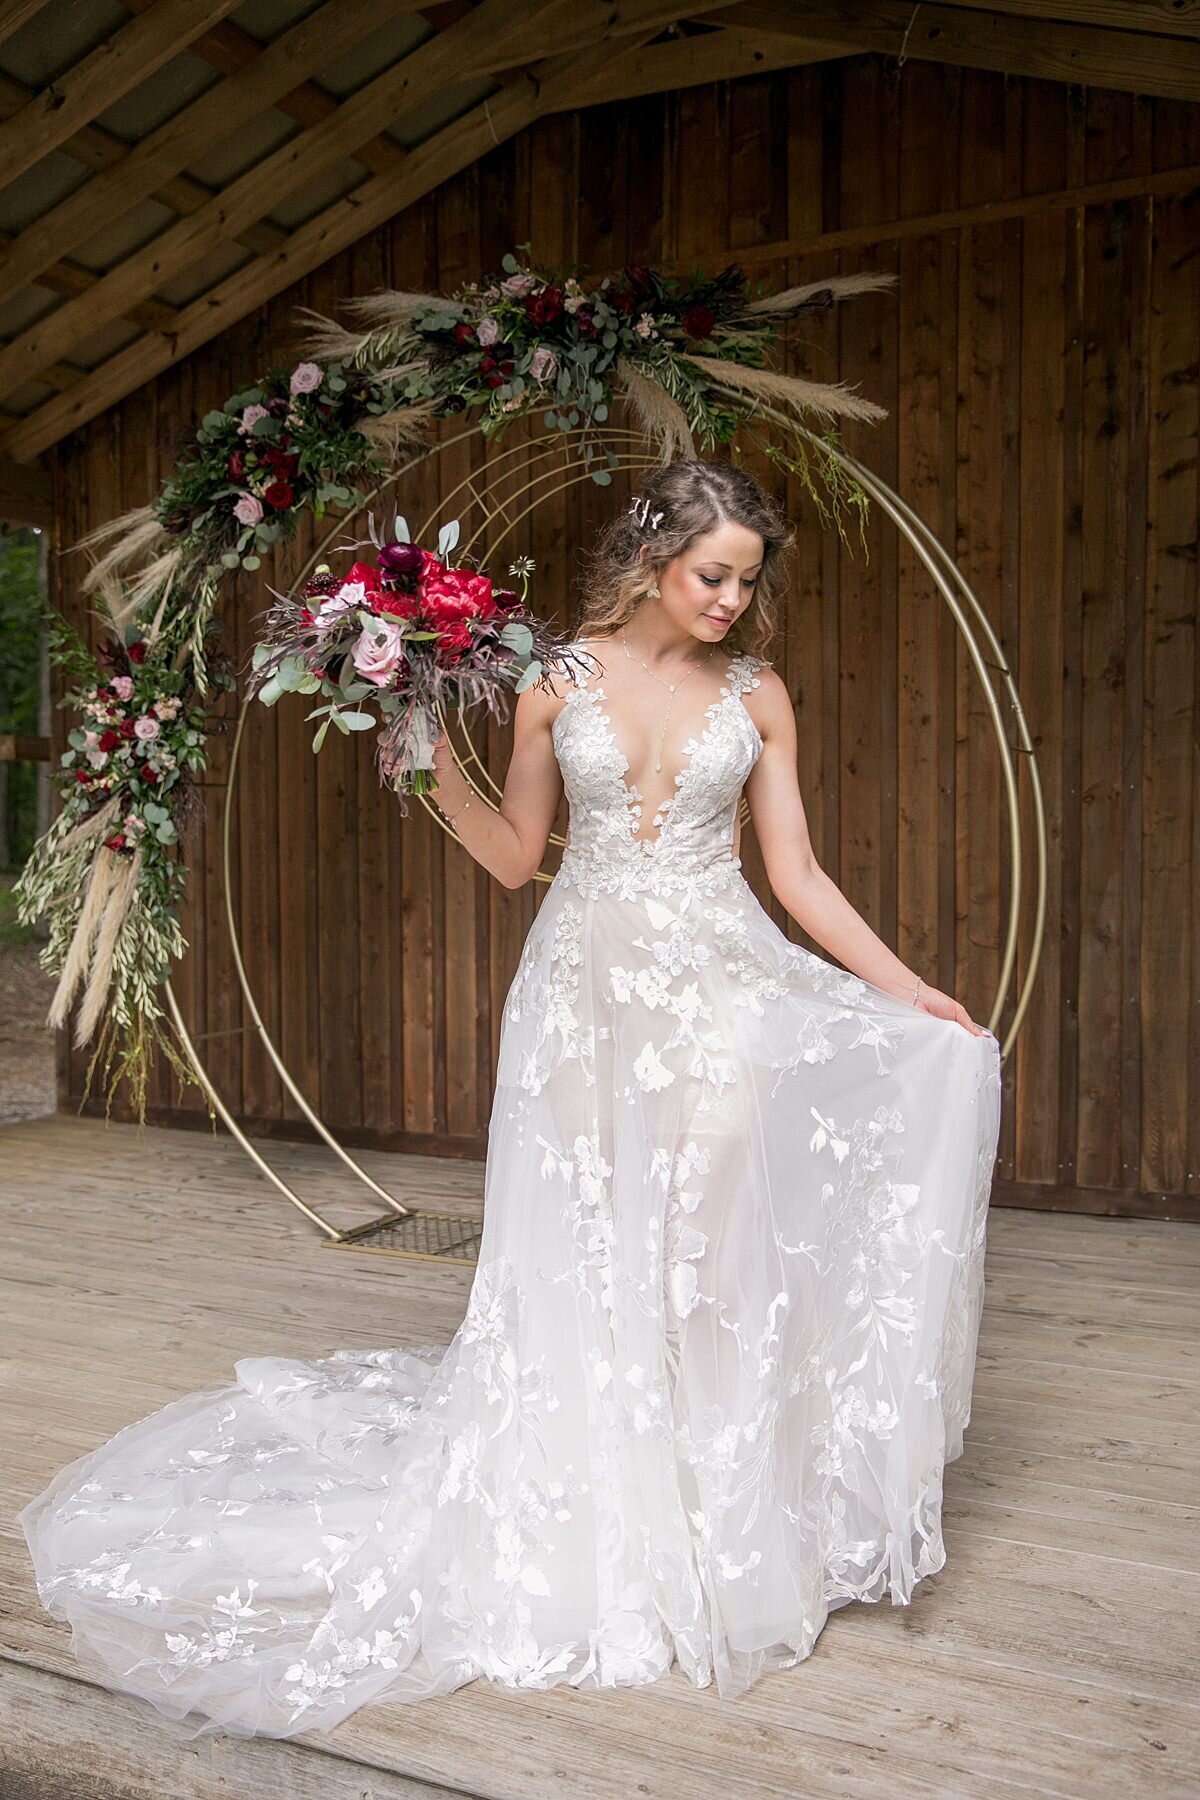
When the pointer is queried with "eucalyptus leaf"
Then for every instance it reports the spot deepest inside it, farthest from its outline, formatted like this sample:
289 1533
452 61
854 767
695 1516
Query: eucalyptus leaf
154 812
602 478
270 691
356 721
447 538
400 531
340 723
319 739
166 834
261 653
527 680
290 674
252 562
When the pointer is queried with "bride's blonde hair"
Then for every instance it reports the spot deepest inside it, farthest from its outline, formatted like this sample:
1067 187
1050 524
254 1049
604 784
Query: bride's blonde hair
691 497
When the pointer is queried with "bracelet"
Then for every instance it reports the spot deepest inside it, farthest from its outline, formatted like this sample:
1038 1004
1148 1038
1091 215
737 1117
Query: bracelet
450 817
916 990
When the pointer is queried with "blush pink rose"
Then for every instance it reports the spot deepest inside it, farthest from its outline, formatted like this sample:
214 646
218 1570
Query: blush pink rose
123 685
306 378
379 652
145 728
248 510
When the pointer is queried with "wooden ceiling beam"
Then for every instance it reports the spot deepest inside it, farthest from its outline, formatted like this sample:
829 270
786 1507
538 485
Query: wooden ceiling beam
208 121
493 37
709 56
547 87
1146 64
97 148
81 93
70 278
228 49
15 13
1172 18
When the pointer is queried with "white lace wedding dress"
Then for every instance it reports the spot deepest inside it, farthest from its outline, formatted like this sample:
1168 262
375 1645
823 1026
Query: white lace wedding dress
717 1350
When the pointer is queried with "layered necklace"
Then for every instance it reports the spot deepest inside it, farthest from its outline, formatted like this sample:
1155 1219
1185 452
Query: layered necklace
670 687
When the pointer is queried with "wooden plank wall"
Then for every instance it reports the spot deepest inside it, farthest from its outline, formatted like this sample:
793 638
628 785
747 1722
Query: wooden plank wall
1041 375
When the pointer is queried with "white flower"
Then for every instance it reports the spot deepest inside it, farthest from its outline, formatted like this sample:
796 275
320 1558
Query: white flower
645 327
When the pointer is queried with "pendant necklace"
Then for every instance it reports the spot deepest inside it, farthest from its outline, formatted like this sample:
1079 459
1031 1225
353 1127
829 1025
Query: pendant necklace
670 686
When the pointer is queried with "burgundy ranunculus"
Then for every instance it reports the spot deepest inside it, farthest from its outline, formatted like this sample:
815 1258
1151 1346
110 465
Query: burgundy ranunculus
506 599
698 321
398 560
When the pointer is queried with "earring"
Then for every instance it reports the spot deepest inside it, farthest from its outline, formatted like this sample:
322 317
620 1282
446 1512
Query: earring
653 593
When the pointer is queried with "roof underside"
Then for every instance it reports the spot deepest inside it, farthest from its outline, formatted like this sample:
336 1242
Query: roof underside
166 166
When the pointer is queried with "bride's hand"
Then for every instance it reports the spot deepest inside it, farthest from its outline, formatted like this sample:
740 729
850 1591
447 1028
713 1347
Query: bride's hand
944 1006
442 755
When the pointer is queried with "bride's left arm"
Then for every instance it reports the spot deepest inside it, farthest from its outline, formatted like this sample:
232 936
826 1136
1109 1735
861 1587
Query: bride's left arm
797 880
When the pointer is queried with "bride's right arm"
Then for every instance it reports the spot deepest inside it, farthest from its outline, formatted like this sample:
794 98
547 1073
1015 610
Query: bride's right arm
510 843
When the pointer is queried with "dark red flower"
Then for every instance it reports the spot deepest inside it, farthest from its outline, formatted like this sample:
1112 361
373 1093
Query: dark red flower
236 466
279 495
638 276
148 774
108 740
83 774
136 652
586 322
698 321
365 572
506 599
457 594
622 300
493 380
116 842
464 333
455 636
398 560
403 606
545 306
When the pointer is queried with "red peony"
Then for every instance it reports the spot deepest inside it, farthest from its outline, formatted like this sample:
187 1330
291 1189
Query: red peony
698 321
108 740
136 652
457 594
279 495
402 606
366 573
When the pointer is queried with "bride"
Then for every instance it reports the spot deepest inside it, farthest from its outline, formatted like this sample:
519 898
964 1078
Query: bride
721 1337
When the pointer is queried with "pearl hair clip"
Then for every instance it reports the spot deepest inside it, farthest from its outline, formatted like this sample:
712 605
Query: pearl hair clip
644 505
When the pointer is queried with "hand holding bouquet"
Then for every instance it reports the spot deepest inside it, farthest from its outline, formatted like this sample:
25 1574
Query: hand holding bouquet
398 638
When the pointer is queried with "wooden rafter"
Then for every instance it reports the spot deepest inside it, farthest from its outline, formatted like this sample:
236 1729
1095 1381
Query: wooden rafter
227 48
113 68
546 87
208 121
709 56
1144 64
497 35
1179 18
15 13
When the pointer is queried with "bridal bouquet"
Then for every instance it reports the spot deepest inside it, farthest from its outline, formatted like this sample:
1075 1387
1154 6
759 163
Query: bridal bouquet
397 638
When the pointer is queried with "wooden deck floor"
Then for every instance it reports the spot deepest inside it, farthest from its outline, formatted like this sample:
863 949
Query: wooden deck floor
1055 1654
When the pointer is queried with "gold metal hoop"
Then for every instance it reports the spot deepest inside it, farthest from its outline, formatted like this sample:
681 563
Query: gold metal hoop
434 1235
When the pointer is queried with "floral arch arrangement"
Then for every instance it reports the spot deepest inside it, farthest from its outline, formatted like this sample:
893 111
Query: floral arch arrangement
690 364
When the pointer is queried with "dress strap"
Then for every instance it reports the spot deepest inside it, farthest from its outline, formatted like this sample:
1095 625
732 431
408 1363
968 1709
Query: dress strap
743 672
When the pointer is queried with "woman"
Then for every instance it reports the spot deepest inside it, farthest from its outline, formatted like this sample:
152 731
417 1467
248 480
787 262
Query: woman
720 1340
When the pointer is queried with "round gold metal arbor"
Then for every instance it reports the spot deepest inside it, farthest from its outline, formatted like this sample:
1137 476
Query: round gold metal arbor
540 471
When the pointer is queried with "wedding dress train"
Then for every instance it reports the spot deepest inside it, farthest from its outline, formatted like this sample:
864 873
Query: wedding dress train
717 1350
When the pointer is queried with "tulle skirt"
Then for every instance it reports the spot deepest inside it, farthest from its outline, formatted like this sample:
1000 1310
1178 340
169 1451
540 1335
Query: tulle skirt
716 1353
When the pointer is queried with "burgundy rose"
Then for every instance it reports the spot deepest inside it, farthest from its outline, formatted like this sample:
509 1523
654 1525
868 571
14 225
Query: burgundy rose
698 321
398 560
136 652
622 300
279 495
464 333
126 728
108 740
235 468
83 775
116 842
505 599
545 307
149 774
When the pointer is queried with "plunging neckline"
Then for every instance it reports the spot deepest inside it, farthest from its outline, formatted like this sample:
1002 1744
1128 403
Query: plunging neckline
632 798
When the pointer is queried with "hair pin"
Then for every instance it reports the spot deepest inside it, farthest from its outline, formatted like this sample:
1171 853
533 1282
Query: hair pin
643 505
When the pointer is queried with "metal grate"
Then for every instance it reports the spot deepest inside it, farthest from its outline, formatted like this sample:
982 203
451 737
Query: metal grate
430 1236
